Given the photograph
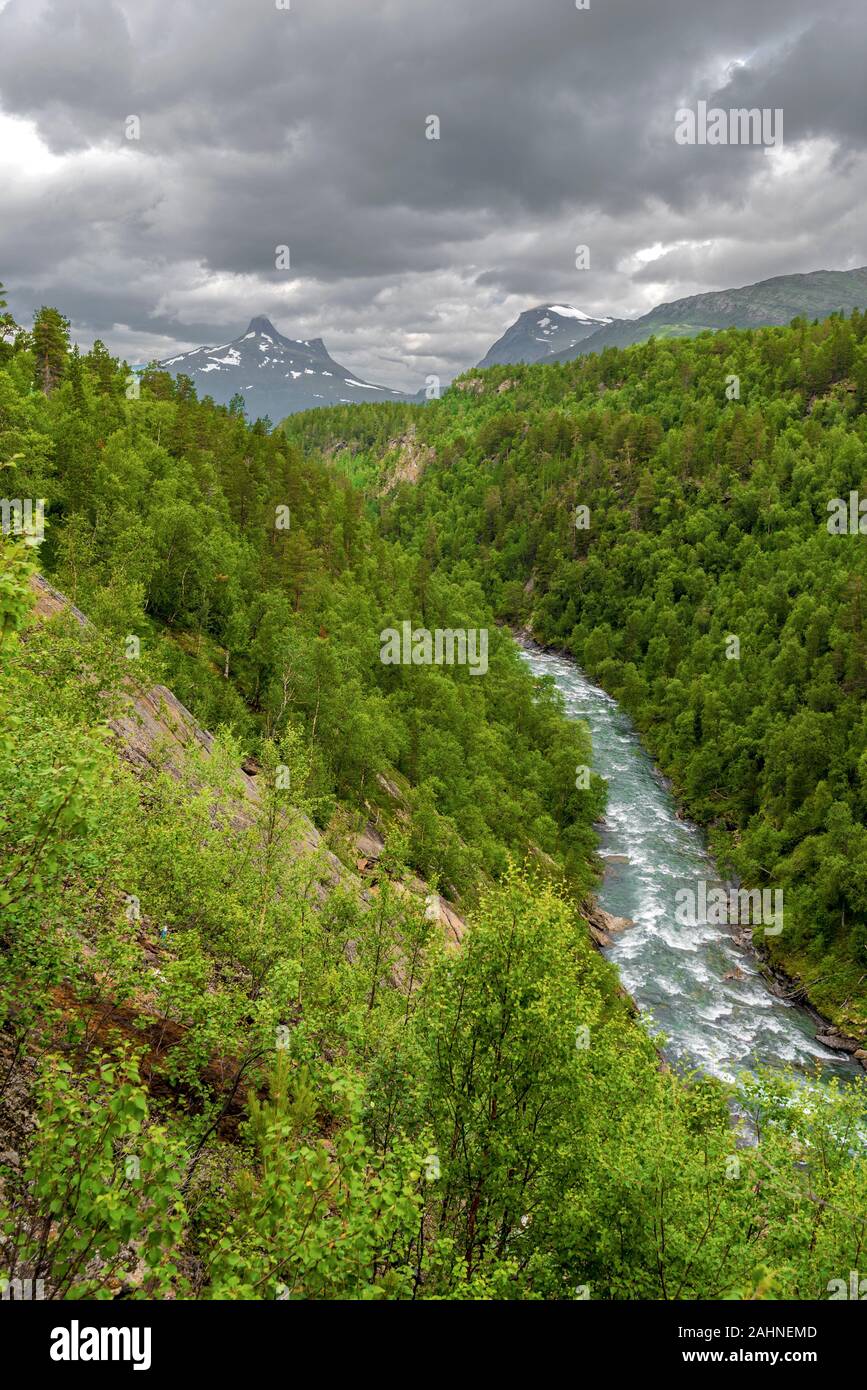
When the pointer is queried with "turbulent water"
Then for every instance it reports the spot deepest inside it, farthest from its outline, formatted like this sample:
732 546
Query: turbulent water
677 974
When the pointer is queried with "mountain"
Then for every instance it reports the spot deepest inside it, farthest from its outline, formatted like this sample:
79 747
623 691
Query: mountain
277 376
540 332
775 301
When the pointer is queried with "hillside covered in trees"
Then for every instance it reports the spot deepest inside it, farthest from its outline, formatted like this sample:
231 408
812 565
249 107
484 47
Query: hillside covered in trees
642 508
239 1060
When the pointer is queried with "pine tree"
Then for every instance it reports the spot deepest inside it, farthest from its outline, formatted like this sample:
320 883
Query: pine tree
102 368
50 346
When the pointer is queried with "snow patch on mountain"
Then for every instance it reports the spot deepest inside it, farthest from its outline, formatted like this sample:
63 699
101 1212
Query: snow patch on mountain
281 364
568 311
541 332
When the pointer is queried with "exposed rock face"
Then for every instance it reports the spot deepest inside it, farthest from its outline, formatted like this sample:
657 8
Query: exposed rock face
599 937
604 925
157 731
475 384
412 459
370 843
391 789
840 1042
837 1042
450 919
50 601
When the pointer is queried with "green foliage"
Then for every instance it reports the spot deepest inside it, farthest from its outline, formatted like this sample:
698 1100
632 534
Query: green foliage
258 586
312 1219
243 1072
104 1182
50 348
707 467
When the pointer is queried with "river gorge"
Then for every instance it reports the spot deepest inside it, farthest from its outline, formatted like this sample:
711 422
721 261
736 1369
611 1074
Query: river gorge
699 985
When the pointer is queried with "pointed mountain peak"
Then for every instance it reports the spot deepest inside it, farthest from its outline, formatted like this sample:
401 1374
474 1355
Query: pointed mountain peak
261 324
275 375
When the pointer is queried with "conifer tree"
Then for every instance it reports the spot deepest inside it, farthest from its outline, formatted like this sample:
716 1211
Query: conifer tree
102 367
50 346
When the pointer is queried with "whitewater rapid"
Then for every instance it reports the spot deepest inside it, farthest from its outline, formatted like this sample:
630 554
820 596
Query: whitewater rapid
677 974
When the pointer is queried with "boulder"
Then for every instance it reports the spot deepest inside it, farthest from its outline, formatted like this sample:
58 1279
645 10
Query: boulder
837 1042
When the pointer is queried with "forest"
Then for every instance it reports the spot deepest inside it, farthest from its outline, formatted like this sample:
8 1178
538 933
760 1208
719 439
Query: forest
642 508
233 1068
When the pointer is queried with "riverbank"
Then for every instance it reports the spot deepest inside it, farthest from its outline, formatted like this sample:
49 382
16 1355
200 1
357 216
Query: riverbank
789 984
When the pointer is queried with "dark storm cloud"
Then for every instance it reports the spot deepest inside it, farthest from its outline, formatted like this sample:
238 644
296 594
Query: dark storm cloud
306 127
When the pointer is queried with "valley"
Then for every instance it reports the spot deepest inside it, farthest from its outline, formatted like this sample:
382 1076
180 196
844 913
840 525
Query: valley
433 677
300 944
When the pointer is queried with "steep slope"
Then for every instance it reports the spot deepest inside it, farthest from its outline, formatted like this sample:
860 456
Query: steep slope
275 375
155 732
540 332
708 518
765 304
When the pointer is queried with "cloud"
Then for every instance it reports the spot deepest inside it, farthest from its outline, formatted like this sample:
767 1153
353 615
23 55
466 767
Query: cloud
306 127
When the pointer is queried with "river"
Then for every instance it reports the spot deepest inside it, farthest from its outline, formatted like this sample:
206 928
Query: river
677 974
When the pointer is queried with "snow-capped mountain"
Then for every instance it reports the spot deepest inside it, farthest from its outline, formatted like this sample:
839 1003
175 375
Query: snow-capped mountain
814 295
277 376
539 332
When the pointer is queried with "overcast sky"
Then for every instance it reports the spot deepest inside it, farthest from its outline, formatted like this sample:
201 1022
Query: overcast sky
306 127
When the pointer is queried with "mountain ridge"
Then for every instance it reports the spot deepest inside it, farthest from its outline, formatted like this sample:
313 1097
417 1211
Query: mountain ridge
762 304
288 364
302 375
539 332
